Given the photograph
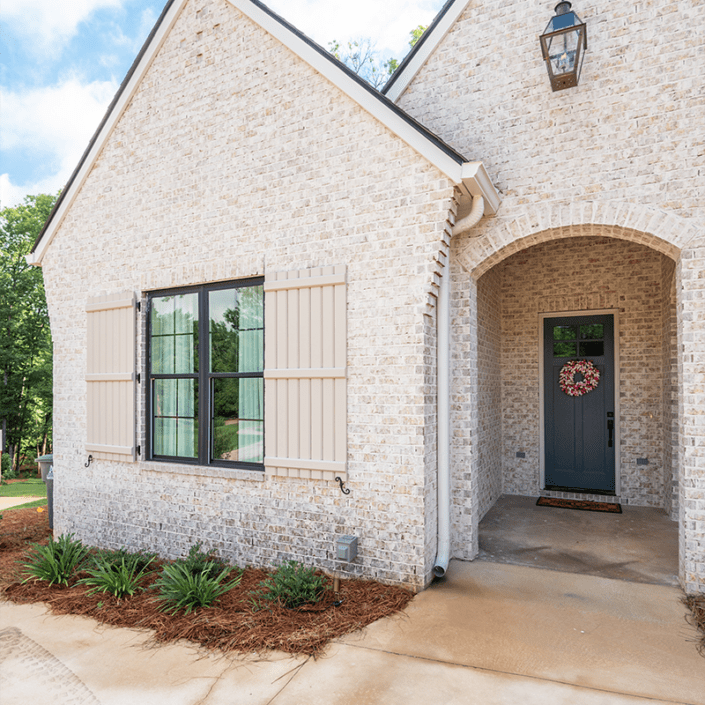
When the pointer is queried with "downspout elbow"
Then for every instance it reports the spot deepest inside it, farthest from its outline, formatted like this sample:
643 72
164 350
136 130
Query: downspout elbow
472 218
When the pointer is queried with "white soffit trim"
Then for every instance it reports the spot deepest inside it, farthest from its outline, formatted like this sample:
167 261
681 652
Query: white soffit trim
35 257
476 182
348 85
419 58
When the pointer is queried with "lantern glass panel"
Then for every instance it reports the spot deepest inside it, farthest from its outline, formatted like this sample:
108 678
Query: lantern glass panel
563 52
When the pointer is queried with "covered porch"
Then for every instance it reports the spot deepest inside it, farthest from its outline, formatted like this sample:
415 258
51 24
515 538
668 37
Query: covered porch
639 545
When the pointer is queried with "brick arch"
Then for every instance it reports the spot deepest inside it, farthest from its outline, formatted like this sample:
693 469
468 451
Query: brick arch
498 238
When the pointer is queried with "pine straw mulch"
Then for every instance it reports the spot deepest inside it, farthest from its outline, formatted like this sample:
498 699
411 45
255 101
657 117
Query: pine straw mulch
231 625
696 604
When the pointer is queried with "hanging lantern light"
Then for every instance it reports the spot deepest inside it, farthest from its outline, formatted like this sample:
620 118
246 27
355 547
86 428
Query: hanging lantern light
563 45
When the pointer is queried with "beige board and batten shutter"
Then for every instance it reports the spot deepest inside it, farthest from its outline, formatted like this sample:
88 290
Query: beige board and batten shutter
110 377
305 338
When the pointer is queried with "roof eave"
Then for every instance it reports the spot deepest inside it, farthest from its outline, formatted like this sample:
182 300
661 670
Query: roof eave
419 55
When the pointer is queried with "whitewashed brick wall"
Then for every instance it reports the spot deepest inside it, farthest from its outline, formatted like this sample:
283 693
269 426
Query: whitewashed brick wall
631 131
234 159
619 156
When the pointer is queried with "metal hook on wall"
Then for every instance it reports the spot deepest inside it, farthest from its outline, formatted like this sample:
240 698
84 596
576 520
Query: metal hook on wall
90 460
339 480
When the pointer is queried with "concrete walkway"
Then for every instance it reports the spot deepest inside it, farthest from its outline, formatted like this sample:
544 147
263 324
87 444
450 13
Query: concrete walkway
8 502
490 633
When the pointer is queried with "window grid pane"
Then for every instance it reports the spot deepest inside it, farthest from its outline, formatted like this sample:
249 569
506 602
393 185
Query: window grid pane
238 419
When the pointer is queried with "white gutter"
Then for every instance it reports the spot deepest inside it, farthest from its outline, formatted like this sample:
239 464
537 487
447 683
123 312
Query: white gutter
443 348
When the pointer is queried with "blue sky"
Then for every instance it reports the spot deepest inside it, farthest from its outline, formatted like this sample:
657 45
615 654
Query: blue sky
63 60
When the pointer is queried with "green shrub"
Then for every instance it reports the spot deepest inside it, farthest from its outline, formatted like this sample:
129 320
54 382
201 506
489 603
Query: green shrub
199 562
180 587
56 562
118 575
133 560
291 585
6 466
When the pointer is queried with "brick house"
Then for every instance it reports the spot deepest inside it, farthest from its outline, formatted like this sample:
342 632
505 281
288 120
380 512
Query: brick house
264 275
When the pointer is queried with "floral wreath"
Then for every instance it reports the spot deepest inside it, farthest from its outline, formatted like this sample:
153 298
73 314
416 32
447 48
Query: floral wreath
566 379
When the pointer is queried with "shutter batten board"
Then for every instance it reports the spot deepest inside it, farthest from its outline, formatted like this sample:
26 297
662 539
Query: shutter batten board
110 377
109 305
309 373
305 373
285 283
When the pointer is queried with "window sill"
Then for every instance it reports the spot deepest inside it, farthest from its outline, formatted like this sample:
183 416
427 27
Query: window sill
204 471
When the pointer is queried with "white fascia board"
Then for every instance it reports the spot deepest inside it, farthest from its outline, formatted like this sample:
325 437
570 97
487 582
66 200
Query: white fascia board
368 102
426 49
118 109
476 182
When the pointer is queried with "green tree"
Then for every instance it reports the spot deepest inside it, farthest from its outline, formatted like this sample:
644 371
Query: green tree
25 337
416 34
360 56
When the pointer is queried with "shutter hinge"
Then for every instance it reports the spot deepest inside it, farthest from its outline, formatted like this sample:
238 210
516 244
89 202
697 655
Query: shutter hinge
138 305
139 450
139 378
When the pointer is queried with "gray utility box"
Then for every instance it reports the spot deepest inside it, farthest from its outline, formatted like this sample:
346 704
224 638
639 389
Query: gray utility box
346 548
45 462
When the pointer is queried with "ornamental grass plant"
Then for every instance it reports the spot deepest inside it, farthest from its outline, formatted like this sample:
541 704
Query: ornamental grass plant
56 562
180 588
118 575
195 581
292 585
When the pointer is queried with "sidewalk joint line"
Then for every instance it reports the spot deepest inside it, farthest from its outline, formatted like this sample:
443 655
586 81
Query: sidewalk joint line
518 675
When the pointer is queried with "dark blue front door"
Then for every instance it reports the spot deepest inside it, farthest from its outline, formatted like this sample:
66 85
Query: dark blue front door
580 431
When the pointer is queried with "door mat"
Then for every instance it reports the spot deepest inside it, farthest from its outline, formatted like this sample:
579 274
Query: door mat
585 505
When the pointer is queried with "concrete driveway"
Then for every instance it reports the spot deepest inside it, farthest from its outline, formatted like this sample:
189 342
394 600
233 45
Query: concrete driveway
490 633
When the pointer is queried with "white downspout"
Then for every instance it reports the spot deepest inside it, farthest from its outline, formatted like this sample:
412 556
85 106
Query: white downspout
443 364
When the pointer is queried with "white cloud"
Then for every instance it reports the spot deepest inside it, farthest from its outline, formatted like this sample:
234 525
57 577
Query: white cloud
386 23
50 23
53 126
12 194
148 19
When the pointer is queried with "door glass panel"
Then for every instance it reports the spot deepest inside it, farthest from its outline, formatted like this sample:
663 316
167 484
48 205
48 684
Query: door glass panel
564 333
564 349
594 330
595 348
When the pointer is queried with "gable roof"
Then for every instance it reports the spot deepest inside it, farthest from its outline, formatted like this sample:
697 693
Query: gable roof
423 49
471 177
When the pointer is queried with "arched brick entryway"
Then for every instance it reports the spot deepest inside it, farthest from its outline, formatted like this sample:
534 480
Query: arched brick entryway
681 300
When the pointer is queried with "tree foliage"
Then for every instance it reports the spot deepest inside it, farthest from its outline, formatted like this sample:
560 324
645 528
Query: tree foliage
360 56
25 337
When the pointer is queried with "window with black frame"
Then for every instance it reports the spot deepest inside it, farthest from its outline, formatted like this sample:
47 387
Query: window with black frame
206 363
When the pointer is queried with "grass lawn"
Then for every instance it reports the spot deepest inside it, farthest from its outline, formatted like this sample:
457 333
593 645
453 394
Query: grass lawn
25 488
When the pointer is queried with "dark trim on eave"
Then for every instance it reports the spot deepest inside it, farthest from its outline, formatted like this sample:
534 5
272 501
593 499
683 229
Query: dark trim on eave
447 149
417 47
443 146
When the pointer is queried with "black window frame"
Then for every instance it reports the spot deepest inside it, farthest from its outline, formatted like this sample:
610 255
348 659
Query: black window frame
203 376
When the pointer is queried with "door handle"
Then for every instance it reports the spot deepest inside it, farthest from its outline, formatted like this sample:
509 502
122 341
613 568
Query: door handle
610 428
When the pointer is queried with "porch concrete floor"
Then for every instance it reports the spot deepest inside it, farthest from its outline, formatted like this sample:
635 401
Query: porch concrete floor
639 545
